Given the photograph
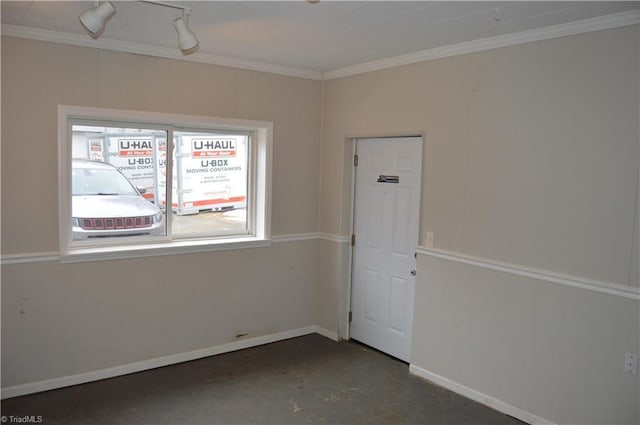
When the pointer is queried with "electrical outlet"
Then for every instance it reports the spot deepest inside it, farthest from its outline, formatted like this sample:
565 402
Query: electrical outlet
428 239
631 363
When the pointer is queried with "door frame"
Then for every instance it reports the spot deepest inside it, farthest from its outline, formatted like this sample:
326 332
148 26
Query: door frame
348 217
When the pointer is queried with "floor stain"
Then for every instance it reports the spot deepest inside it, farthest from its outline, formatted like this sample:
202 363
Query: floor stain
332 398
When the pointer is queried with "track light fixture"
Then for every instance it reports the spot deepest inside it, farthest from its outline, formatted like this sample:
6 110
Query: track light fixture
187 40
94 20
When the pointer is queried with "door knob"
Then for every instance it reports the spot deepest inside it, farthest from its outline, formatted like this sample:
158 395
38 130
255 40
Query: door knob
413 272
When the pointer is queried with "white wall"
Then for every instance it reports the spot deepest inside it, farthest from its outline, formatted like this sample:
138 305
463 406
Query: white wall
547 349
64 319
531 159
520 147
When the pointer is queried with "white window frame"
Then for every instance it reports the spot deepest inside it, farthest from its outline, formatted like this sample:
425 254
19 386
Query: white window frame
258 175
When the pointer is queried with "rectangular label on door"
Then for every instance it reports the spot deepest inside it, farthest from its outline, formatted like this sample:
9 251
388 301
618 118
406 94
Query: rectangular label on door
388 179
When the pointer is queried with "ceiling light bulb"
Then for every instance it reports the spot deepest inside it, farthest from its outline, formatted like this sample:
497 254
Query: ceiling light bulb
187 40
94 19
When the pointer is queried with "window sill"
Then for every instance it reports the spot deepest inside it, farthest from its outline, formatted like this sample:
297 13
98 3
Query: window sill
79 255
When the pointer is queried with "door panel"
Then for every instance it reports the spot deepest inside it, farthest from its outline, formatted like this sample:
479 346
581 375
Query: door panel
386 229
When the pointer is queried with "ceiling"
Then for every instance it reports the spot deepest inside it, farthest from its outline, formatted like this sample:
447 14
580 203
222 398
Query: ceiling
317 38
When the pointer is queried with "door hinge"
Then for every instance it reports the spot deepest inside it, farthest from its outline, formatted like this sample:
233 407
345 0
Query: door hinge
350 316
353 239
355 160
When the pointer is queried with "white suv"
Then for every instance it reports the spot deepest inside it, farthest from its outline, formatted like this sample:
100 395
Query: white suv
106 204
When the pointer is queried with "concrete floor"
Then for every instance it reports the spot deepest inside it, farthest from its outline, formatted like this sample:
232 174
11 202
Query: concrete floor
306 380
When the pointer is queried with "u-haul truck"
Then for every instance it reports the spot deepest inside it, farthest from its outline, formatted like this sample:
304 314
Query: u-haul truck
209 170
209 173
135 157
133 154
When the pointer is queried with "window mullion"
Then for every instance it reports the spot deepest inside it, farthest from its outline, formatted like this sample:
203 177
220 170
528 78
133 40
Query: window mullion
168 187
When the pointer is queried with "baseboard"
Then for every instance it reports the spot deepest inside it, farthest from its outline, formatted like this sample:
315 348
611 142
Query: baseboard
326 333
477 396
82 378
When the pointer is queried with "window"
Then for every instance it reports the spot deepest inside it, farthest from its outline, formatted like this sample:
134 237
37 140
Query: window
148 184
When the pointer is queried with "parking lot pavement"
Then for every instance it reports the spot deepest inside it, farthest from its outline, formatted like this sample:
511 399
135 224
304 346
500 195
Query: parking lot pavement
210 221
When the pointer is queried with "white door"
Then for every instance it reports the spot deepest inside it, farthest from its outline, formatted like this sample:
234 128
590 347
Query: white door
387 207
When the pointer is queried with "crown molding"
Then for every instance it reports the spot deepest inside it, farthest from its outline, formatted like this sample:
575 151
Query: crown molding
571 28
162 52
615 20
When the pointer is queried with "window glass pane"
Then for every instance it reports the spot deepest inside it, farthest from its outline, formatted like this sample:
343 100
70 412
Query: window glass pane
210 183
114 182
